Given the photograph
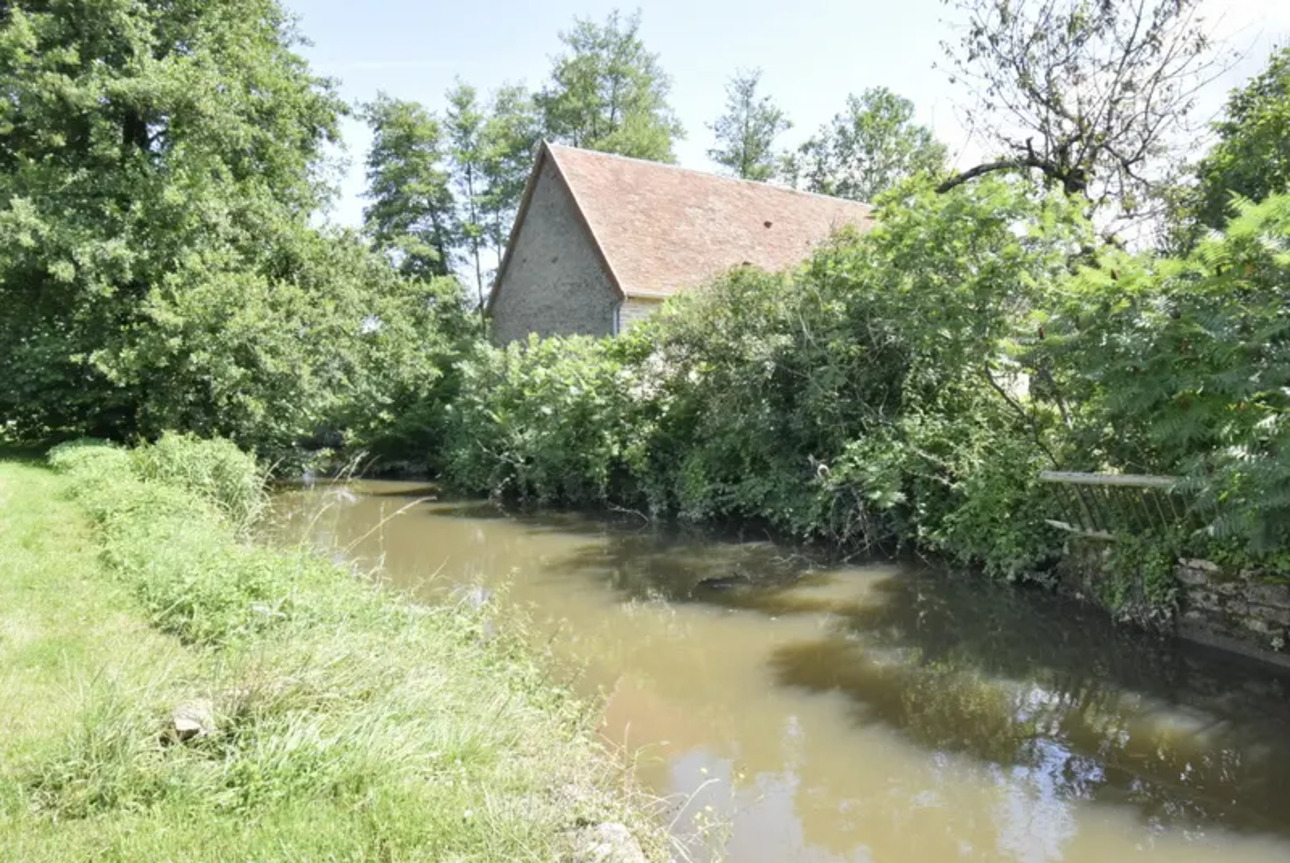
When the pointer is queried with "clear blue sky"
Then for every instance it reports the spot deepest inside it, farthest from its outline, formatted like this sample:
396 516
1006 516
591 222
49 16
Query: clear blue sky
813 52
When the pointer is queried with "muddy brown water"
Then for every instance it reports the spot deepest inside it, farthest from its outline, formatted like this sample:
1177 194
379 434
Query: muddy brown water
797 711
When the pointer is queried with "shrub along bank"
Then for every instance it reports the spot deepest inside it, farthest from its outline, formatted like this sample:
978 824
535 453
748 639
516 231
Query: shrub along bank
910 384
276 708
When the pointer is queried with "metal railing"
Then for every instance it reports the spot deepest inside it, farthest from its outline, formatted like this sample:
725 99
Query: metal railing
1100 505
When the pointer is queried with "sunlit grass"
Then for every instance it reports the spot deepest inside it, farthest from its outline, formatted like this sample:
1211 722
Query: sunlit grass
344 722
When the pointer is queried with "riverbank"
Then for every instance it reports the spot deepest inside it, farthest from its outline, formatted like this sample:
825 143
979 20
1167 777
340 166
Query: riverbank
871 709
170 692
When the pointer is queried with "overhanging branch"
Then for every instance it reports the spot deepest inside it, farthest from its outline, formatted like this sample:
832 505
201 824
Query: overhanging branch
1074 180
982 170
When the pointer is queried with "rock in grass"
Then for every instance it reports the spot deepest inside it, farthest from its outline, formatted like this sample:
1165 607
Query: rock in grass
192 720
608 843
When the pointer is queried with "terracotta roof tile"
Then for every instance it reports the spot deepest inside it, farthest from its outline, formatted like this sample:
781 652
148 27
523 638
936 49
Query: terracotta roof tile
663 229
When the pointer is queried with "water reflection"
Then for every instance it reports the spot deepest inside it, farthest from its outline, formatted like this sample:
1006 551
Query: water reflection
1097 712
875 712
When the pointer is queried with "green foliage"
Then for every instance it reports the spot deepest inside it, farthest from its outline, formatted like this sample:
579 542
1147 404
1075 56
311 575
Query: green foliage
444 190
214 470
91 458
511 135
404 373
608 92
868 149
464 123
1178 366
996 500
412 216
1252 157
548 421
1139 584
158 174
149 155
175 544
743 393
746 133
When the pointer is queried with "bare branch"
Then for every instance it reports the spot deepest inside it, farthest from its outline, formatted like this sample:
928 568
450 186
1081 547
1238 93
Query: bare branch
1092 95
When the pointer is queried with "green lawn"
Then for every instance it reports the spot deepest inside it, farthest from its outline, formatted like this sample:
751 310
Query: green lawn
344 723
64 629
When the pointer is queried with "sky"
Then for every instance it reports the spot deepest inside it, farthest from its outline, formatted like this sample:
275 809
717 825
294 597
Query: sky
812 53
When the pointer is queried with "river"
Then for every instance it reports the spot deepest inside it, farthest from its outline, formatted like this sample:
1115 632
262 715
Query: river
797 711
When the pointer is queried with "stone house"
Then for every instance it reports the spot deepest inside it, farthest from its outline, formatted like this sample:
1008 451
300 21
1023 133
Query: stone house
601 240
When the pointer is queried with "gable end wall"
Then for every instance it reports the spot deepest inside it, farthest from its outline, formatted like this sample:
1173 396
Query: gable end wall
635 310
555 283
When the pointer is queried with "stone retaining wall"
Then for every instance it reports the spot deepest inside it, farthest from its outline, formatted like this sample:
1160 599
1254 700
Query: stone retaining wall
1247 612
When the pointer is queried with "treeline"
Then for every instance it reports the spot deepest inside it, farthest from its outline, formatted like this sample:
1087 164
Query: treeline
445 184
161 168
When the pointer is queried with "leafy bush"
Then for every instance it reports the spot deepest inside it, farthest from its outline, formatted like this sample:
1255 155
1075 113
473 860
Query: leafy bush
1180 366
547 421
160 270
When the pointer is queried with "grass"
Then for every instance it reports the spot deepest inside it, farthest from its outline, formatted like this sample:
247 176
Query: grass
340 722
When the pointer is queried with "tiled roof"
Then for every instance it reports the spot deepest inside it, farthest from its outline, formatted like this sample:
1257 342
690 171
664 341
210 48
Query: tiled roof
662 229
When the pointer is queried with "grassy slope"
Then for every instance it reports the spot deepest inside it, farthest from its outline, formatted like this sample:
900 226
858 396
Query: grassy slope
348 725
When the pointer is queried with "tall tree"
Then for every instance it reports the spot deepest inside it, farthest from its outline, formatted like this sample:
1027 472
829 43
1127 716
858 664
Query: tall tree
157 173
746 133
868 148
1252 156
467 155
412 215
511 135
608 93
1088 93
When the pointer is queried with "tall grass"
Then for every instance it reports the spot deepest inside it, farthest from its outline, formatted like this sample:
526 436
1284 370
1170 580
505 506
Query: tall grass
341 722
215 470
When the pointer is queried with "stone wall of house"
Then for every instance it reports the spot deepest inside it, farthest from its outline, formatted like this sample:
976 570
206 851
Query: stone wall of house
554 283
1247 611
634 310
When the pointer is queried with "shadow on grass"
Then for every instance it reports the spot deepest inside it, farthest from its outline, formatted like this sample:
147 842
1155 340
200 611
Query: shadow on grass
24 453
